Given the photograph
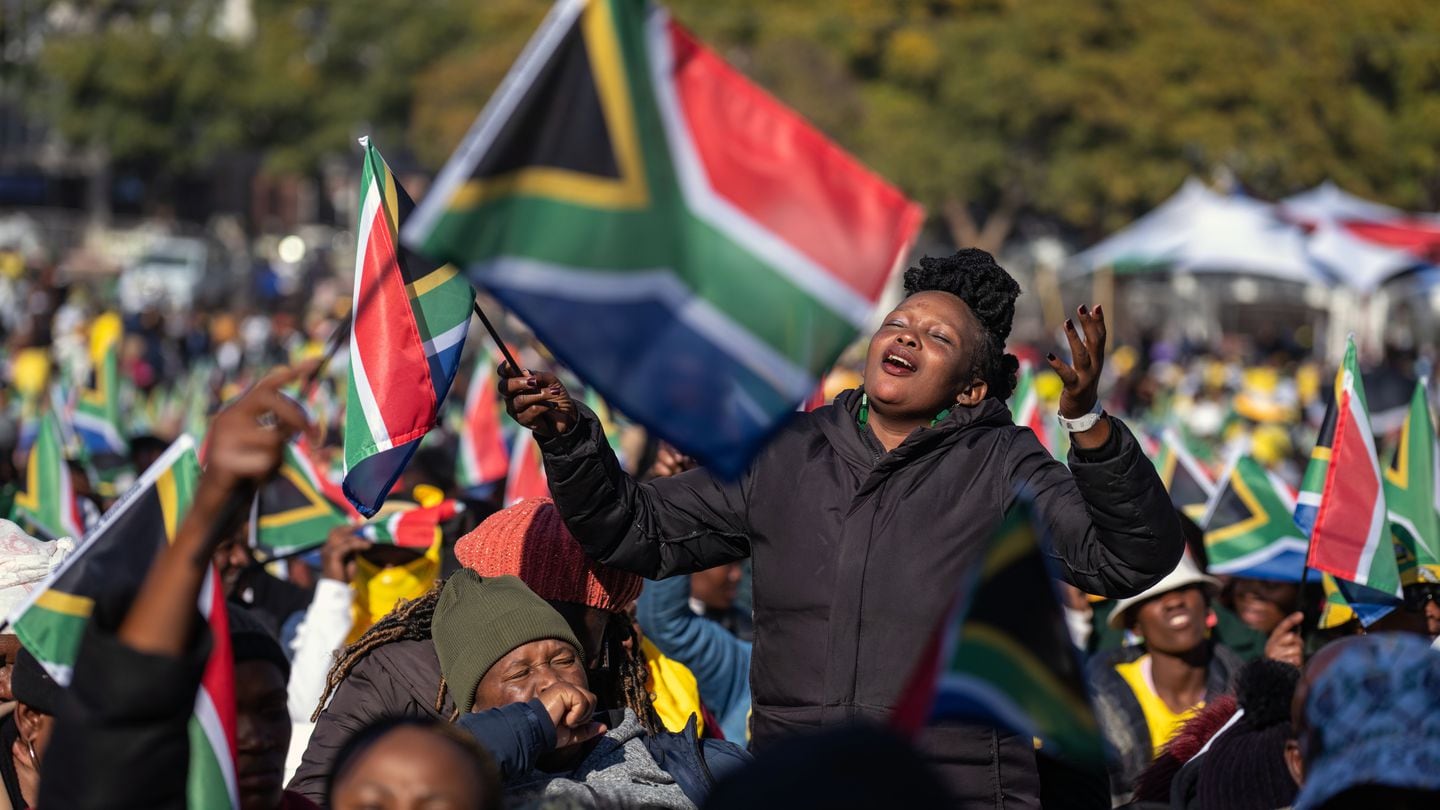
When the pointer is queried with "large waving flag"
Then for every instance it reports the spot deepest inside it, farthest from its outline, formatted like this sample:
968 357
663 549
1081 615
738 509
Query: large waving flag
1249 527
1342 497
481 457
292 512
1004 656
1190 486
97 416
1412 493
109 568
685 243
48 505
408 328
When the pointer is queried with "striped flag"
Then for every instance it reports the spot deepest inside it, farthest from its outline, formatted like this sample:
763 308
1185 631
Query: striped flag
482 458
291 512
527 472
1342 497
97 415
1025 408
1334 611
1412 493
685 243
412 528
111 565
48 506
1190 486
408 329
1004 656
1249 528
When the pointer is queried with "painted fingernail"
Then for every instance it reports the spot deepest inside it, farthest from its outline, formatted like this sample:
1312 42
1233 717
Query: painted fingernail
1069 325
1050 357
1097 309
1084 309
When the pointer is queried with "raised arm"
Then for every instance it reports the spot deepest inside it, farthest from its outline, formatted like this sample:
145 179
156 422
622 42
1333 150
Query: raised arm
719 660
1112 526
669 526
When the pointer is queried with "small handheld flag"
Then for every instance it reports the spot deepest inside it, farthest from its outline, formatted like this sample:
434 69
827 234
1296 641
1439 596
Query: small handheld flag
412 528
1342 498
1025 408
48 506
292 512
527 472
97 416
1190 486
1412 493
481 457
408 327
1249 528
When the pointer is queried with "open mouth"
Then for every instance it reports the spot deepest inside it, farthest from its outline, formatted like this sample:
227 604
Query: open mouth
1179 621
899 365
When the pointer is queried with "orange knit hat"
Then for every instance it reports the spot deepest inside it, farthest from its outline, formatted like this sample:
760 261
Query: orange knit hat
530 541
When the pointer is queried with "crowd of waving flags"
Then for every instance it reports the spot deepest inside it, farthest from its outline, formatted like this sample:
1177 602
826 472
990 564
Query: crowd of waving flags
643 241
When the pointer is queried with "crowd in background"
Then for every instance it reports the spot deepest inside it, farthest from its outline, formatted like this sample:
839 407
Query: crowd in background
357 641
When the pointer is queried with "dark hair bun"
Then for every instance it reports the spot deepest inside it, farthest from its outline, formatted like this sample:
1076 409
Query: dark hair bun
973 276
1264 689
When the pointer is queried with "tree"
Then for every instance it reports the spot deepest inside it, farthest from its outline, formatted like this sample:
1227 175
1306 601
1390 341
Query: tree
1076 113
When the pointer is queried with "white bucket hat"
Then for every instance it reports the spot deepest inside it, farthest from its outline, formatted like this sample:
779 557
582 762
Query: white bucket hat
1186 573
25 564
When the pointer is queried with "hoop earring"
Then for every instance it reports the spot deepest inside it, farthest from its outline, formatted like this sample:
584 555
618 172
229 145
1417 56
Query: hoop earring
34 760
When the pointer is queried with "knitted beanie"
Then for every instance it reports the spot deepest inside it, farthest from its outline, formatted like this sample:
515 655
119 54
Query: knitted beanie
479 620
1245 767
529 540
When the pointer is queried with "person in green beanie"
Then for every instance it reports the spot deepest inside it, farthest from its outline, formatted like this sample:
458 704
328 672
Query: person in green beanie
517 674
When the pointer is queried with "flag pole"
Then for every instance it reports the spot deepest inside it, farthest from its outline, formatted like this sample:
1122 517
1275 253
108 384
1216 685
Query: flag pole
495 335
332 346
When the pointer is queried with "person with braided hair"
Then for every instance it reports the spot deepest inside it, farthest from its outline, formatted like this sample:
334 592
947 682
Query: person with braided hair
393 668
861 517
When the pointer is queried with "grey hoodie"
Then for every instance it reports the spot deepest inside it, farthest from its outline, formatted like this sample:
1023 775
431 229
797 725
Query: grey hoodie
618 773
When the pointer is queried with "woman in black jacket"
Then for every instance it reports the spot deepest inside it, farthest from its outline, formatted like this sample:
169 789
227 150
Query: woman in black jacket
862 516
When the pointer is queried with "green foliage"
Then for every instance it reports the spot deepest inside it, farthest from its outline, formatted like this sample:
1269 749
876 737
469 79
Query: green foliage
1080 112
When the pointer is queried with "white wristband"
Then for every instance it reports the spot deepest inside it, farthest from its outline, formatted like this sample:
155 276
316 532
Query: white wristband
1083 423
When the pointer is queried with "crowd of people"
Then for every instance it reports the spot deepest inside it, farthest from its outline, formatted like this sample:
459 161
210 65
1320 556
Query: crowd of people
654 636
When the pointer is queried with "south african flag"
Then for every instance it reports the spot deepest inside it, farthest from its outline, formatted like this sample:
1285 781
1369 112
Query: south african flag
688 245
407 330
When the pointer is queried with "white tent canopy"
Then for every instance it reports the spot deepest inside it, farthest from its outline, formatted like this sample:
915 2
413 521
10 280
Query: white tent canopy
1328 202
1200 231
1360 265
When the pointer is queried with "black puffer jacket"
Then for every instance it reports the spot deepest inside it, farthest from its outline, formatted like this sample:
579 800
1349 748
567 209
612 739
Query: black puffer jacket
857 553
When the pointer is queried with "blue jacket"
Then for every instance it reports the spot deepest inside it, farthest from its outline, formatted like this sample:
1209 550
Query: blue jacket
720 661
519 734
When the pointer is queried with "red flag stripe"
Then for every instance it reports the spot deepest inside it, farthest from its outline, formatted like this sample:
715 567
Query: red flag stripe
386 344
1343 524
762 163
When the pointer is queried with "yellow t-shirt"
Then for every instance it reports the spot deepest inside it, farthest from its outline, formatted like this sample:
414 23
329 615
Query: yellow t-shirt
1163 722
673 690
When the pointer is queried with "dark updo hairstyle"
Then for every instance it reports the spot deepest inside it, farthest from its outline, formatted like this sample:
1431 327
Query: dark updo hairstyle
973 276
